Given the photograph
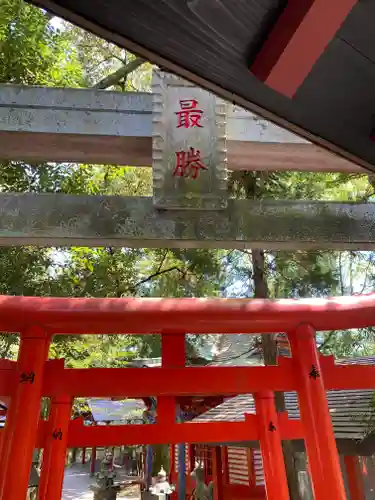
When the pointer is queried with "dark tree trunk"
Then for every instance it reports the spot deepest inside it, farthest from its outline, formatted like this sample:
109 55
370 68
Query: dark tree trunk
73 458
270 353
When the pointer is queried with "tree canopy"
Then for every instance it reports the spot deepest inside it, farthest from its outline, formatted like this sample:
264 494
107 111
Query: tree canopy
40 50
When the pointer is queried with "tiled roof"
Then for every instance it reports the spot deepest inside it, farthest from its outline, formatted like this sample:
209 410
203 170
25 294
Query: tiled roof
244 349
360 360
350 410
240 349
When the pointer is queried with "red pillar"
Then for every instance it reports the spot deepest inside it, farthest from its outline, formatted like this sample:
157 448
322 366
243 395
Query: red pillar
23 415
83 456
217 473
270 445
172 356
54 455
354 476
320 441
224 461
93 460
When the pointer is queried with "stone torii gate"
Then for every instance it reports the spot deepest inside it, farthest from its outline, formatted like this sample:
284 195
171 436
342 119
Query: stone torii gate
190 207
98 126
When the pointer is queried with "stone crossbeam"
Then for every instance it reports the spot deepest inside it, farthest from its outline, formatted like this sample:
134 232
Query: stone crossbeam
91 126
68 220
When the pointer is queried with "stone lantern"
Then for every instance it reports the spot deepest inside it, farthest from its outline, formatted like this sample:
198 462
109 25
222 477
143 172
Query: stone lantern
161 489
105 489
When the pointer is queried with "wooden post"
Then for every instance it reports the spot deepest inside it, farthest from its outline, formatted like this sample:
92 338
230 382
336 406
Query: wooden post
250 468
54 456
83 456
173 356
23 416
93 460
354 476
270 445
217 473
225 463
320 441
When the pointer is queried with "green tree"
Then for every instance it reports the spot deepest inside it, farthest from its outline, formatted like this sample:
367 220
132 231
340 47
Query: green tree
33 52
301 273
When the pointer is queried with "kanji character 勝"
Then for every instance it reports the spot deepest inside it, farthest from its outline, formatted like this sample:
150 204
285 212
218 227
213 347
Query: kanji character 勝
188 163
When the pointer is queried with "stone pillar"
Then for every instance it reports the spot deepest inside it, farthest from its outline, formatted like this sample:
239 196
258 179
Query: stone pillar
189 159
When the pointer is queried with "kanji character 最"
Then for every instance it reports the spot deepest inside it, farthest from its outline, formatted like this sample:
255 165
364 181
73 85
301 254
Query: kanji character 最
189 115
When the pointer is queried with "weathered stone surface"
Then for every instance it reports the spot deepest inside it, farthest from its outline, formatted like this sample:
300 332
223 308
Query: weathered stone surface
93 126
74 111
188 121
52 219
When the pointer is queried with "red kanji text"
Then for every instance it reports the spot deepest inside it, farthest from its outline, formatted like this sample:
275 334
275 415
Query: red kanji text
189 115
188 163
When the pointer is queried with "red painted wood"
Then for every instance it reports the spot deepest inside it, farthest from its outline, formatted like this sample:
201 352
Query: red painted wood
297 40
242 492
355 479
7 364
224 461
223 381
75 315
173 350
80 436
20 433
339 377
320 441
270 445
108 382
101 382
250 468
217 473
156 434
173 356
93 460
190 381
213 432
54 454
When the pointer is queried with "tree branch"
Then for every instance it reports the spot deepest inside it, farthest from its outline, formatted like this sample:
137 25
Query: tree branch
327 340
155 275
115 77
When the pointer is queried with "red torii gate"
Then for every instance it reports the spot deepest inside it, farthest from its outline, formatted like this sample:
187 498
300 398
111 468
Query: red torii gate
33 376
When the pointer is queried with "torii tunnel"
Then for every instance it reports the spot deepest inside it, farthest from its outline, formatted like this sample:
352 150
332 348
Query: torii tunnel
33 376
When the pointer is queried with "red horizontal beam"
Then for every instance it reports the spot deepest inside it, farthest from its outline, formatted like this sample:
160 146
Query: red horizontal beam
139 382
349 377
196 381
130 315
297 40
189 381
210 432
213 432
